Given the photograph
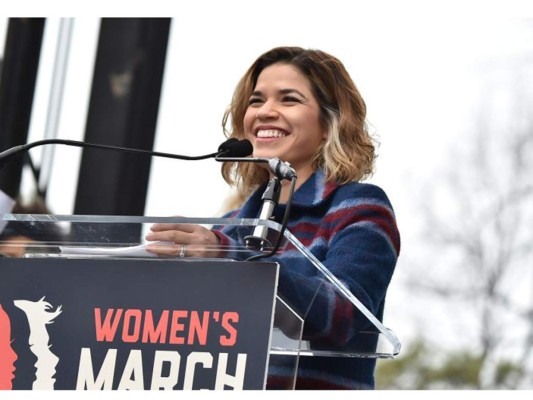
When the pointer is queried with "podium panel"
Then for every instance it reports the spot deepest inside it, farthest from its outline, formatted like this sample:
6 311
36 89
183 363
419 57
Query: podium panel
138 324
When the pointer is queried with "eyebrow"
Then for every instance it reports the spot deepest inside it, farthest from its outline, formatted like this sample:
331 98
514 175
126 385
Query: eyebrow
282 91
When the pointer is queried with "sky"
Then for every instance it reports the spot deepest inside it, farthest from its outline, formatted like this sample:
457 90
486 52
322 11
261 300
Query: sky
415 63
409 70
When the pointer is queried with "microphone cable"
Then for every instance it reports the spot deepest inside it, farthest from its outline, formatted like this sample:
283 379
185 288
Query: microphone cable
232 147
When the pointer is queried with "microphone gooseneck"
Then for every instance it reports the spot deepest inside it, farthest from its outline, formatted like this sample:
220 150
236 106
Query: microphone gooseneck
231 147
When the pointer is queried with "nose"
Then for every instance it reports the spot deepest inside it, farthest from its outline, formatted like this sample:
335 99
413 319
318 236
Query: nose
267 111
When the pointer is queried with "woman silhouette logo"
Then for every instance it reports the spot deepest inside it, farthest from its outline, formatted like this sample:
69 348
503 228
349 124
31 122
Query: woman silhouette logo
7 354
38 314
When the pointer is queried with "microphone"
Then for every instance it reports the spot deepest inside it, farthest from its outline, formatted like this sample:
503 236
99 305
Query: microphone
231 148
234 148
281 170
227 144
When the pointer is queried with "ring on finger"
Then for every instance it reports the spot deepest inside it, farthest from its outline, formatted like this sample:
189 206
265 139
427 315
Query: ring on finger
182 251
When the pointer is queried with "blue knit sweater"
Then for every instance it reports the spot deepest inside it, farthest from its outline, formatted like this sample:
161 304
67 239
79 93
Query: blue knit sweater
352 230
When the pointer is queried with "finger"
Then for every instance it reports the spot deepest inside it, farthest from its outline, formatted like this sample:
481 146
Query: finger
189 228
163 249
168 236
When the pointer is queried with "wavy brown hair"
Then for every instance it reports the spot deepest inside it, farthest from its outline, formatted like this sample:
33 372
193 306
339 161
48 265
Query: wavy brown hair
346 155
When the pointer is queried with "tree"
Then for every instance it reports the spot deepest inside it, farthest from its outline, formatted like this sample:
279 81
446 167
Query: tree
478 238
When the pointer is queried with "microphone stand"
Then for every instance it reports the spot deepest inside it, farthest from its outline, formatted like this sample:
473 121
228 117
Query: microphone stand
283 225
281 170
270 199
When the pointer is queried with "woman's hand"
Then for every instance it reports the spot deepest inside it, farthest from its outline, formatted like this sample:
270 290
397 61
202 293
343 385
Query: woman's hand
185 240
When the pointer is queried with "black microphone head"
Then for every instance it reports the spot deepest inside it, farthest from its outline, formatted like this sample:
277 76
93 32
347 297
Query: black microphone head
236 149
240 148
224 146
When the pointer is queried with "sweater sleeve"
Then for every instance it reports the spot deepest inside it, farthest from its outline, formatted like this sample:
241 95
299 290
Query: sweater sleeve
358 242
231 239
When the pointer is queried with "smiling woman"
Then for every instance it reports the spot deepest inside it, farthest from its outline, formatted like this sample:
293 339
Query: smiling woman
302 106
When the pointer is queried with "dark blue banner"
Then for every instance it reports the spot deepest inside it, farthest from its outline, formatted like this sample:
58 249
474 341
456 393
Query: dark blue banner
134 324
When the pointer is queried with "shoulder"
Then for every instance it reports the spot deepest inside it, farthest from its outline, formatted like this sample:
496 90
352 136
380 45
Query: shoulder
231 213
356 193
364 206
360 202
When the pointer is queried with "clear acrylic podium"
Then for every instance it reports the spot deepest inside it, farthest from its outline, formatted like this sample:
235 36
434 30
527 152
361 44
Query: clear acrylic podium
122 238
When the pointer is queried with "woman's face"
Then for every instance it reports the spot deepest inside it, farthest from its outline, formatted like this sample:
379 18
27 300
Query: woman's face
282 119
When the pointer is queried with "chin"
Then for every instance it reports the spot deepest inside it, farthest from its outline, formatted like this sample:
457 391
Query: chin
270 152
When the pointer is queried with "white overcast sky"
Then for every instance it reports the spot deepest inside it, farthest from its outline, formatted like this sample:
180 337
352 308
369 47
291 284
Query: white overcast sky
413 63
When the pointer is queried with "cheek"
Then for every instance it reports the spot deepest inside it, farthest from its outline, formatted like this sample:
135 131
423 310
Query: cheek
248 121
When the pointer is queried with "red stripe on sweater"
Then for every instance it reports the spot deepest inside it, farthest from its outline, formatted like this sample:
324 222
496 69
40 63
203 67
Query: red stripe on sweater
385 221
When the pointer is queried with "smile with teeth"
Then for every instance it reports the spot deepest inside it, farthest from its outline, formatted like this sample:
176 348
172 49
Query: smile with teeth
270 133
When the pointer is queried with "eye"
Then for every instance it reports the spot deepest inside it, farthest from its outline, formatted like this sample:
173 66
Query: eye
291 99
254 100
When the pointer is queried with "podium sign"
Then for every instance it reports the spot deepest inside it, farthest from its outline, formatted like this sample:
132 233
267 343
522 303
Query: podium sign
100 323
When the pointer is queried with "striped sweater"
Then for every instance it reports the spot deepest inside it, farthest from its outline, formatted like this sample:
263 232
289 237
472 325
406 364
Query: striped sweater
351 229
